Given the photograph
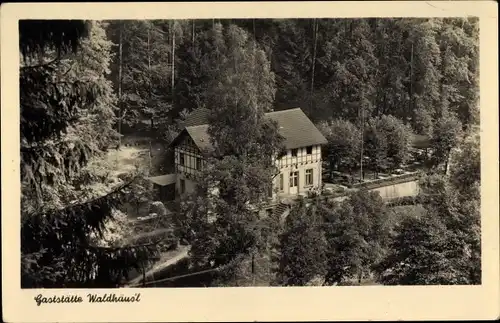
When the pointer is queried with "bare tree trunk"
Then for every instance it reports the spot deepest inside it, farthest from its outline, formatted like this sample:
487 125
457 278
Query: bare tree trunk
447 162
173 59
150 156
253 268
361 176
193 31
254 34
149 78
143 276
315 36
120 81
411 85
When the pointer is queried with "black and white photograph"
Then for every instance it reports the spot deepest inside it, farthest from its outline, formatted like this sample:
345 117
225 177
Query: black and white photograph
249 152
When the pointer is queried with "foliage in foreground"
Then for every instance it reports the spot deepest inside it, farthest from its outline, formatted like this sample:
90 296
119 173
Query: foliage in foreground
357 231
66 123
303 255
442 246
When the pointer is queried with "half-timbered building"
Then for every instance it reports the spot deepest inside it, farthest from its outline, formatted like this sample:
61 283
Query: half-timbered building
300 167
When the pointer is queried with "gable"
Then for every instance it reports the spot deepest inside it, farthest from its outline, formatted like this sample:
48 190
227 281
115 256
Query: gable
196 136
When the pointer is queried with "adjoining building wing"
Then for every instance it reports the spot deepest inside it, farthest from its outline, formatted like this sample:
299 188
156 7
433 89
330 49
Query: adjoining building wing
198 134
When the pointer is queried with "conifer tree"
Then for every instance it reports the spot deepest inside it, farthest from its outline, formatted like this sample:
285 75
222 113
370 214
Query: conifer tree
146 69
422 50
292 57
64 98
393 73
442 246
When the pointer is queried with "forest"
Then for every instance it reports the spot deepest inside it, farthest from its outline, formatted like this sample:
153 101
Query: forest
370 85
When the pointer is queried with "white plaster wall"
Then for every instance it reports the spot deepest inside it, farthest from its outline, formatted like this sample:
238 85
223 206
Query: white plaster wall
398 190
300 163
286 164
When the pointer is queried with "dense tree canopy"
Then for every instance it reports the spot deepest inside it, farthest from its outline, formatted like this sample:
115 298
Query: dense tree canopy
446 136
442 246
344 143
376 144
66 118
241 91
357 233
376 81
333 68
303 247
368 84
398 138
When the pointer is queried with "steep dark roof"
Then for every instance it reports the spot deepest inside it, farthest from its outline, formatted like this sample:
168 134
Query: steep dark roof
197 117
200 136
296 128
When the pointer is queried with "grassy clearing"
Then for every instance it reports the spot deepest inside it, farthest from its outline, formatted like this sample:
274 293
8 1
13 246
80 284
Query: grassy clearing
156 157
127 160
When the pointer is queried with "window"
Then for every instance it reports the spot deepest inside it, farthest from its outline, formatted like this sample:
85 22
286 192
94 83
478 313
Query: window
309 150
181 159
198 163
294 179
183 186
309 176
294 152
282 180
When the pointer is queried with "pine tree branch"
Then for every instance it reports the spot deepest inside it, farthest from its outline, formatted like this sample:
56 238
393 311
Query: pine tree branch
124 114
69 69
43 65
100 198
126 247
48 145
85 204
